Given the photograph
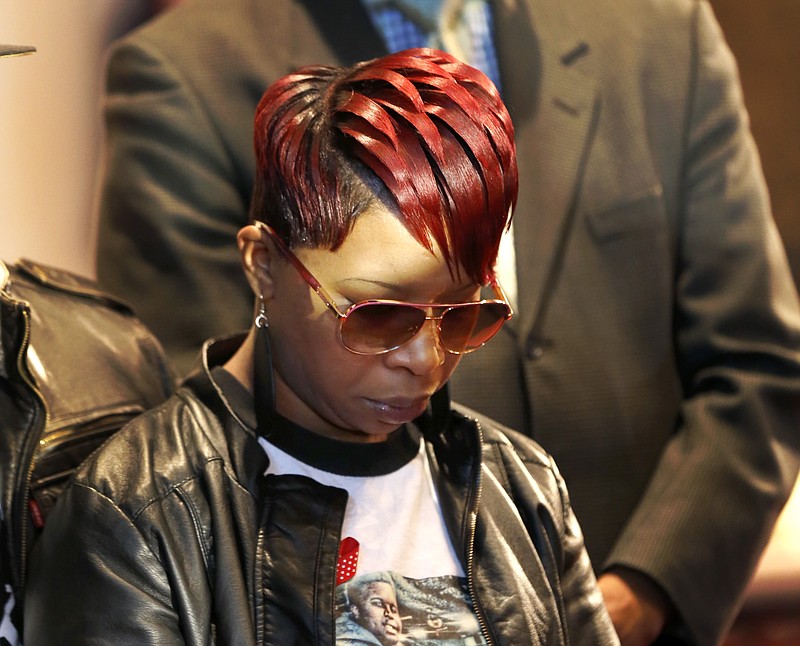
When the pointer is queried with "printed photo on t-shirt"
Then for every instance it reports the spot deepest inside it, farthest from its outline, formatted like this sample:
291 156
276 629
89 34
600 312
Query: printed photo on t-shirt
386 609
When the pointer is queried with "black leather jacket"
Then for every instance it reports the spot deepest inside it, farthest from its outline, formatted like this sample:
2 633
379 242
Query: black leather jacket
171 534
75 366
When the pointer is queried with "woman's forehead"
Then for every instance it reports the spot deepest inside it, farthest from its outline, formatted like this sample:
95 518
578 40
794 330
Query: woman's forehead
381 250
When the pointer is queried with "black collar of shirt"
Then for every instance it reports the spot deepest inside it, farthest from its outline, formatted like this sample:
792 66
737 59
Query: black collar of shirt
334 456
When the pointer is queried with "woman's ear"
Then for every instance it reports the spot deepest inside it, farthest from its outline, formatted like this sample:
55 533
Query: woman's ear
256 257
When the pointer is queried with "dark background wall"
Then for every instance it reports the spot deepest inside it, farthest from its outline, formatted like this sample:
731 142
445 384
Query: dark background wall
765 38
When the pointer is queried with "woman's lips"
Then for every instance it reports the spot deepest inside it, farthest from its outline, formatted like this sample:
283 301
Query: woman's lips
398 410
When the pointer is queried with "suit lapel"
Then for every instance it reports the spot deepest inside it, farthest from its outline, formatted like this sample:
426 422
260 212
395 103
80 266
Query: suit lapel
554 107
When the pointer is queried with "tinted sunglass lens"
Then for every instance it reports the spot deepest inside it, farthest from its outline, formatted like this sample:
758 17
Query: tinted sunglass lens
470 326
377 327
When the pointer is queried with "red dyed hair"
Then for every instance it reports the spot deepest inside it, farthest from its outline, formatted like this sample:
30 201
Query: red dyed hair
431 129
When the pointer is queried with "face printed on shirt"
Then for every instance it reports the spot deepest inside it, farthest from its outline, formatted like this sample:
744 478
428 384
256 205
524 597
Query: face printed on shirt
377 611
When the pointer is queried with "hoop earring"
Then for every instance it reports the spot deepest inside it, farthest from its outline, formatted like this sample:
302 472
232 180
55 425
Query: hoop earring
263 379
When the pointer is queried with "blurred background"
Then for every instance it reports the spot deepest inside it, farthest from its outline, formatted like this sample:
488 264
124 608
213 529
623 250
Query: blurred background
50 124
51 130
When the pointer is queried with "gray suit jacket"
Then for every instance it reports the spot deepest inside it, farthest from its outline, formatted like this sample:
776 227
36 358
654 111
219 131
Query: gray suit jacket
655 350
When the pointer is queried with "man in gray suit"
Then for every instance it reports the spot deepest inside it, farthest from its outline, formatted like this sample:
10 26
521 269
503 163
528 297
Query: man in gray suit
655 350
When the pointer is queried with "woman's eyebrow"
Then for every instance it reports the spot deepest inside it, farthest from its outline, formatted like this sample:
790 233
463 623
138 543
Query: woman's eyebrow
370 281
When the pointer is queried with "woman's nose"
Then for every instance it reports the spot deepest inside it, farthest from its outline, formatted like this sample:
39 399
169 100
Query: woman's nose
423 353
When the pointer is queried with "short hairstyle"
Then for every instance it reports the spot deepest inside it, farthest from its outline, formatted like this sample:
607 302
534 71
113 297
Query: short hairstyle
418 127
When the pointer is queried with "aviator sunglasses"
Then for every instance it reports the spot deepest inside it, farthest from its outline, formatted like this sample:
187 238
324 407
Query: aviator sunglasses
377 326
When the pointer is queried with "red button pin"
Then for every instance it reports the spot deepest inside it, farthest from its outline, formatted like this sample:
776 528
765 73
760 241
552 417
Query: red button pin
348 560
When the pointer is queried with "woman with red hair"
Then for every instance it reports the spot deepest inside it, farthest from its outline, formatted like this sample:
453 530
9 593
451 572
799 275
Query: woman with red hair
319 451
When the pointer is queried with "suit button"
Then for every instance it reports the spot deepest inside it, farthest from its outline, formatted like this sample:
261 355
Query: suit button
536 347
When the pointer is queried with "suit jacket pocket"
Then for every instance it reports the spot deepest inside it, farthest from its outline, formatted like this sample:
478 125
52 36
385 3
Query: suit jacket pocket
644 211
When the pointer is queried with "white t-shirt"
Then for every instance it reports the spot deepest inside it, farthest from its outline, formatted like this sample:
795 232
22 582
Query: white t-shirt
399 578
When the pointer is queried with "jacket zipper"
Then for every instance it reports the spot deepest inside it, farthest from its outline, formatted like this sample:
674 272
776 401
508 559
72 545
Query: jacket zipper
27 450
473 520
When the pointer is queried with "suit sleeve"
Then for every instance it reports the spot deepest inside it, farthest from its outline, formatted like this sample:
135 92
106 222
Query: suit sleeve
731 464
80 580
172 200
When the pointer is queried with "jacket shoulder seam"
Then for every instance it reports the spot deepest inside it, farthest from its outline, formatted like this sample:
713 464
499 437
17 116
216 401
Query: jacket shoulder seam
173 487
